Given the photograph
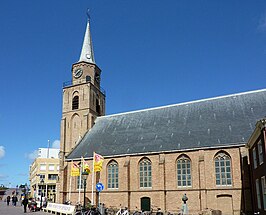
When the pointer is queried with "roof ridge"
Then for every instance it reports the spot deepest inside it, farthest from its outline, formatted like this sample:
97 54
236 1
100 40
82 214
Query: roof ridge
182 103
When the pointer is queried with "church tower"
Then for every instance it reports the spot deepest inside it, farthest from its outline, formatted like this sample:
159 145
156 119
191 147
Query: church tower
83 101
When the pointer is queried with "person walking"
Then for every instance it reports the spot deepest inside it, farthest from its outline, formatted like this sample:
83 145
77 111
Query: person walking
7 200
159 212
15 201
25 202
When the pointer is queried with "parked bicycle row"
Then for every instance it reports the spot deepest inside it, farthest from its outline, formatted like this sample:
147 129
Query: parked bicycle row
102 210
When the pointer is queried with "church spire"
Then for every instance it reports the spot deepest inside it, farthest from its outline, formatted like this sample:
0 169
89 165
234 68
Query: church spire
87 54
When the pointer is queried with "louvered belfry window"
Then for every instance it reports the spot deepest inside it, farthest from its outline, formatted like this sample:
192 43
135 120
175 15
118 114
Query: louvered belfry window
75 103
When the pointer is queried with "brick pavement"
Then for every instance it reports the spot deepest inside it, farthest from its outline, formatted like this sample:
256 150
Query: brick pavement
11 210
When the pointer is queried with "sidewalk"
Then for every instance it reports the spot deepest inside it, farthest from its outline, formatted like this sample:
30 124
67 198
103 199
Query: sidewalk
11 210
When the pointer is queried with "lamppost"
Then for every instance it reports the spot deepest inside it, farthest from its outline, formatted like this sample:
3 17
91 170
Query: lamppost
84 178
42 183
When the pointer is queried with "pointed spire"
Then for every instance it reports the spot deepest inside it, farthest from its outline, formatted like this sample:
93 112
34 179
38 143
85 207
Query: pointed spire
87 54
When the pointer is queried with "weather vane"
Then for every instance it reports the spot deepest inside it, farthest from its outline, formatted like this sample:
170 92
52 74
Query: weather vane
88 14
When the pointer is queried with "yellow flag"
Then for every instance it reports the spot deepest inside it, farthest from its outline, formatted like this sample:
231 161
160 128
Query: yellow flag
85 166
74 169
98 162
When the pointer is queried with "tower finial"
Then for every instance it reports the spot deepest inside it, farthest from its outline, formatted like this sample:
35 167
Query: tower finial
87 54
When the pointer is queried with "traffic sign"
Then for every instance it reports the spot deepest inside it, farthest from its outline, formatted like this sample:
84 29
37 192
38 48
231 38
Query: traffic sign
99 186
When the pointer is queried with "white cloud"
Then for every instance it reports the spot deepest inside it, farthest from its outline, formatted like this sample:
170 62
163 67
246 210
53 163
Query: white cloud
56 144
32 155
262 23
2 151
3 177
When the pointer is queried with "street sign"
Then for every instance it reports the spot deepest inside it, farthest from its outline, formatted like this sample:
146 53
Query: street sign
99 186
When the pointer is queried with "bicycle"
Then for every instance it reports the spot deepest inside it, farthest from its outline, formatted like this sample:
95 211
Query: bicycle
136 212
111 210
82 212
92 211
152 210
122 211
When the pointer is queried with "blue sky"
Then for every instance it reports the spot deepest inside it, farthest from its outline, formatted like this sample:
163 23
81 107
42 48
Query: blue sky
152 53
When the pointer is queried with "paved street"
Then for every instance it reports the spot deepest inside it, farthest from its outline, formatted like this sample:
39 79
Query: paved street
11 210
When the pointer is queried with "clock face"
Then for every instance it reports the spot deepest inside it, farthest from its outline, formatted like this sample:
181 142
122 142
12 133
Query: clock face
78 73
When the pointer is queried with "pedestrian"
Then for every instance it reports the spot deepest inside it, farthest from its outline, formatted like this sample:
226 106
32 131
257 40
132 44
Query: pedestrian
21 199
25 202
7 200
15 201
159 212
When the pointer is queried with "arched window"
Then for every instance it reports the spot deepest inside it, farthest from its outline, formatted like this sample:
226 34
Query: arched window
98 107
79 182
183 172
223 169
145 173
112 174
75 103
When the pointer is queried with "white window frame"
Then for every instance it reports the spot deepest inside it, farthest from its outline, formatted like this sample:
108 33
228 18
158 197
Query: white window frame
223 171
78 180
260 151
42 165
145 173
183 167
51 167
55 176
112 175
255 159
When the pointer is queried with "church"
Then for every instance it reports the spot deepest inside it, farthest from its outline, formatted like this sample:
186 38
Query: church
152 157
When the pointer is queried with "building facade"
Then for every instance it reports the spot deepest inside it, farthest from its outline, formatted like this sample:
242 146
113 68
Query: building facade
154 156
48 153
44 175
257 155
153 180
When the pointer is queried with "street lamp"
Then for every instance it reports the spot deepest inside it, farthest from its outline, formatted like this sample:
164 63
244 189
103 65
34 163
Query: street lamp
42 183
84 176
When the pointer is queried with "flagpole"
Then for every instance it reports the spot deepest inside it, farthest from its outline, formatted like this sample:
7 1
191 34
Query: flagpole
92 180
80 179
70 183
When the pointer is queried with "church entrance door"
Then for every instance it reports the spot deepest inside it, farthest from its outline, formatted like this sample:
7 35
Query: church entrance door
145 203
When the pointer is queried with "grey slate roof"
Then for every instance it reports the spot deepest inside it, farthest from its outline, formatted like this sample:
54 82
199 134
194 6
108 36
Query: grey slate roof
216 122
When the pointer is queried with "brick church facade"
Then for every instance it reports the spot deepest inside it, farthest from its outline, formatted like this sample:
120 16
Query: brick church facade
153 157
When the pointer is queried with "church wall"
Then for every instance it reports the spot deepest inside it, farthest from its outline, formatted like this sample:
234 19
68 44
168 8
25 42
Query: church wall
174 201
83 91
164 193
69 135
114 199
228 201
